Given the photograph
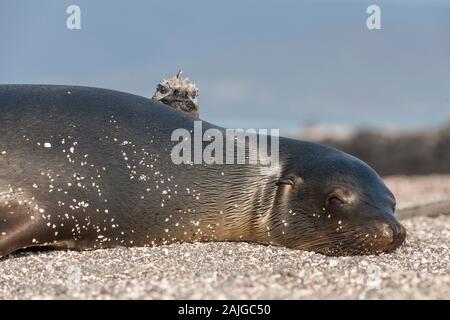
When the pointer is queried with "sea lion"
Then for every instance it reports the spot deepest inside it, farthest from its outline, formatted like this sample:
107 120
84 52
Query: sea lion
85 168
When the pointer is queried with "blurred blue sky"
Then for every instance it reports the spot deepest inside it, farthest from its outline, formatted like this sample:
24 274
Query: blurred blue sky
257 63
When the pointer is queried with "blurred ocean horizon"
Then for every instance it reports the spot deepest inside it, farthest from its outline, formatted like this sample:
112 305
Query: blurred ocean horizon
271 64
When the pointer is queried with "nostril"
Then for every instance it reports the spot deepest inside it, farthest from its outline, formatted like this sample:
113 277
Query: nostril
400 234
395 232
391 235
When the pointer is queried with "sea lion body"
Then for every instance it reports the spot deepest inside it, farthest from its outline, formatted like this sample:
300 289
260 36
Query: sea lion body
85 168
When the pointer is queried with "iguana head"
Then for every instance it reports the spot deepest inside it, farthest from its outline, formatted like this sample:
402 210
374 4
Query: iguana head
179 93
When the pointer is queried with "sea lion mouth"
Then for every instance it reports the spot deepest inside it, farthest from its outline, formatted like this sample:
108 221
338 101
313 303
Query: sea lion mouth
376 239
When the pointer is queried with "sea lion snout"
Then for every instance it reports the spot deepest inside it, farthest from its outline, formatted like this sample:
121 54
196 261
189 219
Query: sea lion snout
392 234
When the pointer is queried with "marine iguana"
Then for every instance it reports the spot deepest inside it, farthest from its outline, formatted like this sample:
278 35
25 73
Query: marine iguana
180 93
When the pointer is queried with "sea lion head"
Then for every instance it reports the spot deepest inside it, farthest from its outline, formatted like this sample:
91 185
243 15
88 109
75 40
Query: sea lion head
335 204
179 93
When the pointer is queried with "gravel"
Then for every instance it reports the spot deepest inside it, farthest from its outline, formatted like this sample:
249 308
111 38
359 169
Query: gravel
419 190
420 269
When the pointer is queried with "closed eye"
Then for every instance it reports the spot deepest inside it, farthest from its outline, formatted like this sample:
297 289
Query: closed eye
335 201
285 181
